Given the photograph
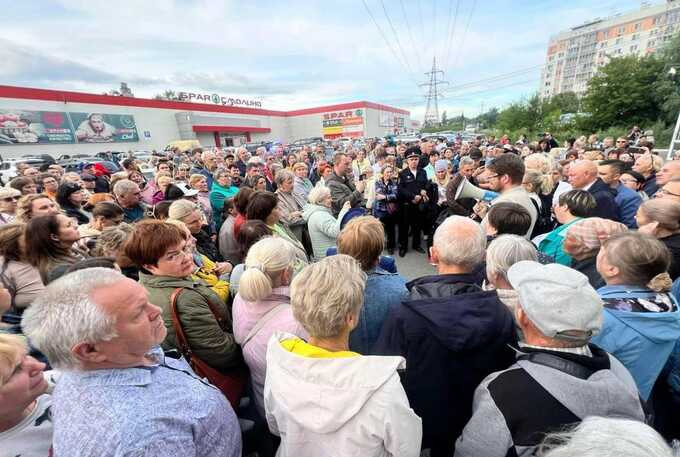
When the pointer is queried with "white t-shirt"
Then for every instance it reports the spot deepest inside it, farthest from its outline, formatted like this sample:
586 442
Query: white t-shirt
32 437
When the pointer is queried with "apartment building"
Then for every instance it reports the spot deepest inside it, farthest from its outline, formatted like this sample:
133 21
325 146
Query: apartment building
574 55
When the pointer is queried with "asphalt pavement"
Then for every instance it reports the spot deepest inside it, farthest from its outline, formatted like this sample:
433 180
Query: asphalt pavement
414 265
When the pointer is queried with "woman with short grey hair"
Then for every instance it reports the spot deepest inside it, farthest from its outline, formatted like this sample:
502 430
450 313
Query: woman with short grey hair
502 253
323 227
368 413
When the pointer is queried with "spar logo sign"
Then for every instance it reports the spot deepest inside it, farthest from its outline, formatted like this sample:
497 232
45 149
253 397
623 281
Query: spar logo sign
218 99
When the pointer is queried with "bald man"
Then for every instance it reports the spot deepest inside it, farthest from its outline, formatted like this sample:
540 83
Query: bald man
669 171
583 176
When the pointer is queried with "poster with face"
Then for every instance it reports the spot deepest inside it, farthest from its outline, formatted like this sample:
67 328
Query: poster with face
104 128
19 126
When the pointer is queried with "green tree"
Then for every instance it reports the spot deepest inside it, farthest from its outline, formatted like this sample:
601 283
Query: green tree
622 93
444 119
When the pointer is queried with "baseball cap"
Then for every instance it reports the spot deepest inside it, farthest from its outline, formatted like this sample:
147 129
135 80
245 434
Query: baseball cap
186 190
558 300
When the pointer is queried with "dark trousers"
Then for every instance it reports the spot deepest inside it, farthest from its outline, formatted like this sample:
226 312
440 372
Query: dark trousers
389 222
410 222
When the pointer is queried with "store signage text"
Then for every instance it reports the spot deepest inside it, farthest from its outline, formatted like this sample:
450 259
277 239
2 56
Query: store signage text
217 99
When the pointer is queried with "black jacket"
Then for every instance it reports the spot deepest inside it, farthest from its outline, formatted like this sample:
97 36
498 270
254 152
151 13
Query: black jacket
605 198
673 244
410 186
452 334
589 268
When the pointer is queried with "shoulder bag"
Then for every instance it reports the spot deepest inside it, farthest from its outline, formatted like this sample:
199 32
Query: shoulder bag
232 384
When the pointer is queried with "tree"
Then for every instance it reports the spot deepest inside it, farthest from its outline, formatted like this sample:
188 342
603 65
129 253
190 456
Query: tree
565 102
167 95
444 119
622 93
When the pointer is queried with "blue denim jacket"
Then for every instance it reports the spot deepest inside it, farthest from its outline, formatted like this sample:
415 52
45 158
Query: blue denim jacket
383 291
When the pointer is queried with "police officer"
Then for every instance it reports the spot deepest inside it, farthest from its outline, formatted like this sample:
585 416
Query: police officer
412 194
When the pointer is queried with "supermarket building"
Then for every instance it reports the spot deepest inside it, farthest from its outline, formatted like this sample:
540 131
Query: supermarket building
56 122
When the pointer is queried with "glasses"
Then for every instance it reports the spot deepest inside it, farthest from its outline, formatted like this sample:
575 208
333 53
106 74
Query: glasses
185 251
10 199
621 141
493 176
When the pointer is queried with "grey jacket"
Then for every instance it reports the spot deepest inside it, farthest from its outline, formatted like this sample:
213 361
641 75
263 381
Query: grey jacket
515 407
342 190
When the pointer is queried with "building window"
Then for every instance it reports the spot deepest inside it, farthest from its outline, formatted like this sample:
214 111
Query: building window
622 29
637 26
635 37
634 48
618 40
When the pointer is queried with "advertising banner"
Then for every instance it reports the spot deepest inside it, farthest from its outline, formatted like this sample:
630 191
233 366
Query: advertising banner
34 127
339 124
104 128
19 126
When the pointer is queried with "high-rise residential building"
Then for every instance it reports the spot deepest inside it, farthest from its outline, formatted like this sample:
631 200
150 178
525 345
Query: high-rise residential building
575 55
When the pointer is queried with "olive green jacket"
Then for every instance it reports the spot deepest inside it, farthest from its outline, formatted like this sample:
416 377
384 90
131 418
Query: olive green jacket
212 344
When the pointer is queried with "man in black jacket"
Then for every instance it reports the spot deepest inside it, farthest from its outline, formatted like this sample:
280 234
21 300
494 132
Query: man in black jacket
412 192
583 176
452 333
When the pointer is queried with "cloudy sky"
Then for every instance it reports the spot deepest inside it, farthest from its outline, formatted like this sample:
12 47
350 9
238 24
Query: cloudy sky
291 53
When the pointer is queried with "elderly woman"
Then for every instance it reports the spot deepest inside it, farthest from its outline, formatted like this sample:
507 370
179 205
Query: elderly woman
641 318
501 254
24 185
289 207
323 227
262 306
165 258
110 244
25 424
385 207
583 242
200 183
363 238
264 206
163 180
572 206
368 413
302 185
222 190
660 218
190 214
21 279
50 244
8 204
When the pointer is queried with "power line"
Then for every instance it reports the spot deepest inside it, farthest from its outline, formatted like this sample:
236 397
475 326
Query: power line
467 26
382 34
433 93
452 31
396 36
434 27
410 34
422 24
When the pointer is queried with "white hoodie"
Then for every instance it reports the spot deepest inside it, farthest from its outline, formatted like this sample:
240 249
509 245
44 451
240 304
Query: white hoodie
338 407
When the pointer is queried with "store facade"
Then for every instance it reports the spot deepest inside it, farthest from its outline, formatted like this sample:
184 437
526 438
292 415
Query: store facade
37 121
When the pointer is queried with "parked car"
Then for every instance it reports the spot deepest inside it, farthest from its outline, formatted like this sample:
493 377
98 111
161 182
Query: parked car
8 167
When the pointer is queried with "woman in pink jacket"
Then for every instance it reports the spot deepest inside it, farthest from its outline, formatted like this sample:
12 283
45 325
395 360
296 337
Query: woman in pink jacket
262 306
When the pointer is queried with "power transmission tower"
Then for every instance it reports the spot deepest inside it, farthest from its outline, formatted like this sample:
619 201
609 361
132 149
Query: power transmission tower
433 94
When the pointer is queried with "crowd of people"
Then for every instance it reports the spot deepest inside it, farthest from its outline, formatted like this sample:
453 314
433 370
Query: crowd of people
251 304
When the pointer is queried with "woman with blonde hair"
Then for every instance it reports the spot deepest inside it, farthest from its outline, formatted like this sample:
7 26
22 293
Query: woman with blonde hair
25 420
302 185
540 187
660 217
641 318
262 306
341 402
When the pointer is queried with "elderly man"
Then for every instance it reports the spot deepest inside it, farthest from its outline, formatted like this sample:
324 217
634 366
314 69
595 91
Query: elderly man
243 156
628 201
583 176
119 395
206 166
505 175
342 186
647 165
452 333
669 171
128 197
558 378
670 190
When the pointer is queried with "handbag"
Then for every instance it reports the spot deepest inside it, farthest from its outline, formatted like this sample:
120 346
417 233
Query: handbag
232 384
